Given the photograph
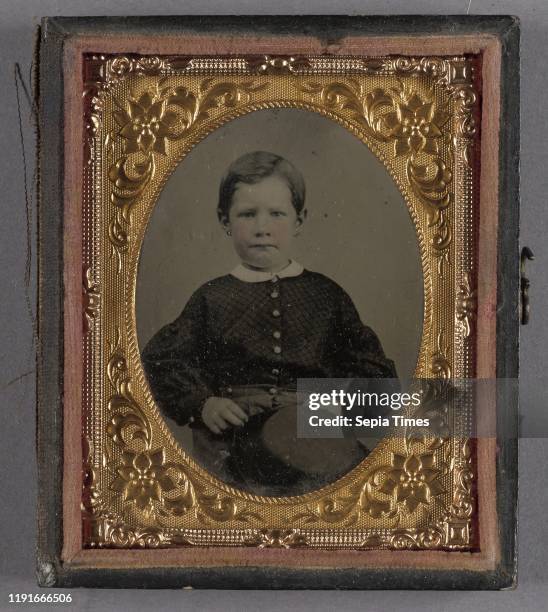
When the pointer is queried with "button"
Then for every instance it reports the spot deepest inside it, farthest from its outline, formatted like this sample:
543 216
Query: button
277 334
229 389
274 279
276 313
275 294
275 371
277 349
273 391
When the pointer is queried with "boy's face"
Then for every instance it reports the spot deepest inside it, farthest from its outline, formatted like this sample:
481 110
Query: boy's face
263 222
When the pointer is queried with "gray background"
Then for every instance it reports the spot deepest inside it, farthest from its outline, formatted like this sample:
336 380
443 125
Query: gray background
17 462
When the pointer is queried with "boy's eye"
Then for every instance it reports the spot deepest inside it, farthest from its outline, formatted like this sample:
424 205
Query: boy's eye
246 213
277 213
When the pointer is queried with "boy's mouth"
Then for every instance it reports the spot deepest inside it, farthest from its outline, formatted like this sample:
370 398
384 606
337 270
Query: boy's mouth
263 246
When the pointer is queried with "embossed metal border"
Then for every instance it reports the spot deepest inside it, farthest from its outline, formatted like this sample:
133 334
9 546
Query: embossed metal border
419 116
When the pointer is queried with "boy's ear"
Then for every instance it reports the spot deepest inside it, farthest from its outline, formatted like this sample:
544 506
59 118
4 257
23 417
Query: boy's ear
223 219
300 220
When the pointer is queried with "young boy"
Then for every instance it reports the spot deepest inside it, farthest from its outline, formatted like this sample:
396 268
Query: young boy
229 364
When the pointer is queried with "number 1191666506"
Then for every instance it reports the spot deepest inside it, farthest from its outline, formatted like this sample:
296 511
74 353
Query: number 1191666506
16 598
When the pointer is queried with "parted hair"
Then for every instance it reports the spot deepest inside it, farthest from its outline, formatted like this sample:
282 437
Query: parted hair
252 168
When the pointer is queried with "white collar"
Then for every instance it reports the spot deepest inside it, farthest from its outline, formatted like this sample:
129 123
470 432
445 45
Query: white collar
257 276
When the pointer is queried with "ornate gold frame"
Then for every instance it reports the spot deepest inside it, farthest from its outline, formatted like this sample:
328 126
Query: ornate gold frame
419 116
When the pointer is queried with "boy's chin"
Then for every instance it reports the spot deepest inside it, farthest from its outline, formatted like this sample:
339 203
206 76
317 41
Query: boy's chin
264 264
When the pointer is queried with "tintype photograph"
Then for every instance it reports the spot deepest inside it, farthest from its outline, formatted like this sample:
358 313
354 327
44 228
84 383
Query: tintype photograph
279 249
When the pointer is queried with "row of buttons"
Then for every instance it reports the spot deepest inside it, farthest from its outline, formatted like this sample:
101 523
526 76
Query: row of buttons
276 313
276 334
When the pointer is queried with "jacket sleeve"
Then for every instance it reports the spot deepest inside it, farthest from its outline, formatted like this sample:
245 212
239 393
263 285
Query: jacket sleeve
175 362
360 354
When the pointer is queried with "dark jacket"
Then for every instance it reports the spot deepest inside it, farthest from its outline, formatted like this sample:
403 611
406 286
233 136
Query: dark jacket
234 333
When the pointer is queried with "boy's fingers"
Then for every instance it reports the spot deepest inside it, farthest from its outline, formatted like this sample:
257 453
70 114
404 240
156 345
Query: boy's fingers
211 425
232 418
220 421
235 409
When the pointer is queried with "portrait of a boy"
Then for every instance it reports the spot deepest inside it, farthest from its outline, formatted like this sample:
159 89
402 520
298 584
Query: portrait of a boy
229 364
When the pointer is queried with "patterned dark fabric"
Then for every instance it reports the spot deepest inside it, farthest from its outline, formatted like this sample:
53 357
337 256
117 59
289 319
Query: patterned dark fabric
234 333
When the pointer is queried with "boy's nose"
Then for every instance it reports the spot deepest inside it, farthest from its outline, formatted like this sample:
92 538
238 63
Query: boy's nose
262 226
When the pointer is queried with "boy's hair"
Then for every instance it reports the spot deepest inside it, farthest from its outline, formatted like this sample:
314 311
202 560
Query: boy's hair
252 168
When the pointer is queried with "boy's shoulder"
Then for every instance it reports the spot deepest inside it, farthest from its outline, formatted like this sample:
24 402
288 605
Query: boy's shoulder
214 285
321 280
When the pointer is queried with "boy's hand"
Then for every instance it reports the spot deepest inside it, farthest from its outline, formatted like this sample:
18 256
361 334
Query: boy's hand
219 413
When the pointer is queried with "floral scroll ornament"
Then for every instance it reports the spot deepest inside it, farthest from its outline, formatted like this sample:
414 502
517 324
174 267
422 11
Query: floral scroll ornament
121 66
467 304
91 299
143 477
146 125
413 480
416 127
440 366
456 76
276 538
268 64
